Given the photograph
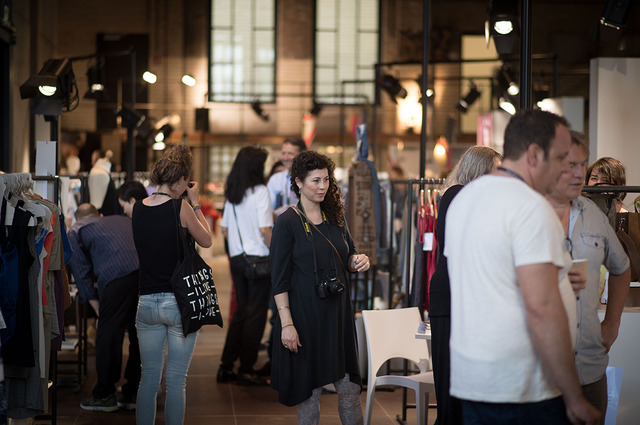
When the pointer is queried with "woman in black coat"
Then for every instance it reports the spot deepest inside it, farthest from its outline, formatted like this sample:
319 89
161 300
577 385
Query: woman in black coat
311 252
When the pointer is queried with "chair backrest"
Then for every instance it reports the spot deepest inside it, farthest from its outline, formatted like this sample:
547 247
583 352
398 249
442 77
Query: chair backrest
391 334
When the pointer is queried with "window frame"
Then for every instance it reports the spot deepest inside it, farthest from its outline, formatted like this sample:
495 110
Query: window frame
245 97
336 98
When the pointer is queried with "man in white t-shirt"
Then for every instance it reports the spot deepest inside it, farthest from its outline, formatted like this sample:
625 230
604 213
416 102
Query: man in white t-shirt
511 356
279 185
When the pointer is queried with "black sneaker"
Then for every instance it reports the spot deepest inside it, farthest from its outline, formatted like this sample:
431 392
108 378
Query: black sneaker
127 402
251 379
107 404
265 370
225 375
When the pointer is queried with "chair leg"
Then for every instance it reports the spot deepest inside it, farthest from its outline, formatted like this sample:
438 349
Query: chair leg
422 406
371 389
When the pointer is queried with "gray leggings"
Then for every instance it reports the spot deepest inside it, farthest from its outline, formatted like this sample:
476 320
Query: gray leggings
349 406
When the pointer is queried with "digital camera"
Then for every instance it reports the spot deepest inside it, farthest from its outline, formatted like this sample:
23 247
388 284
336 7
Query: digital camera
331 285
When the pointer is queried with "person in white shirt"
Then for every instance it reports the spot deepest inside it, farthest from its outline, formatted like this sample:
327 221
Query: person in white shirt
511 353
246 224
279 185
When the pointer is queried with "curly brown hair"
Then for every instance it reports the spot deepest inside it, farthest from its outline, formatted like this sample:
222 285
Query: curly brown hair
306 162
176 163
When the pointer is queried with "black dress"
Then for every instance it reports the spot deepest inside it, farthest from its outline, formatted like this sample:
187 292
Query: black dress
325 326
449 408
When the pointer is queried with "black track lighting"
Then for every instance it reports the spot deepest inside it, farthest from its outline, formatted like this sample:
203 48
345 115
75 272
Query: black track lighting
257 108
502 25
96 81
53 87
393 88
613 20
163 133
316 109
471 96
135 120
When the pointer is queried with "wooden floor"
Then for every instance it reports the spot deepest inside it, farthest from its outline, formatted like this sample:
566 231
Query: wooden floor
222 404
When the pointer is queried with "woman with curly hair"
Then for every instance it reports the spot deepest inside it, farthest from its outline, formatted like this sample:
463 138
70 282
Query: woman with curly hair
311 251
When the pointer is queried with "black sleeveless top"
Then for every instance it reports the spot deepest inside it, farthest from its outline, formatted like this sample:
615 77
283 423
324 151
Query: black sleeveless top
155 233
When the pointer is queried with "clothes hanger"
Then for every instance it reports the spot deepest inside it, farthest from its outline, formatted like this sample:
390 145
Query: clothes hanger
17 185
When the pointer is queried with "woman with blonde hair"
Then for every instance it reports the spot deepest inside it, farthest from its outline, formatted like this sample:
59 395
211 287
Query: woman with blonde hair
475 162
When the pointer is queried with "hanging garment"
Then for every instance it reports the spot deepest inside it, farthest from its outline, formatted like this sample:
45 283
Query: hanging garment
14 349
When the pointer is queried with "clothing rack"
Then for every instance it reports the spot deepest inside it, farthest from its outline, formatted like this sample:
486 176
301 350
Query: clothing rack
410 202
409 239
612 189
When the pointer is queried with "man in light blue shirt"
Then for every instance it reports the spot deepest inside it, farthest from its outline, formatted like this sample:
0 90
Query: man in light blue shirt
279 184
592 238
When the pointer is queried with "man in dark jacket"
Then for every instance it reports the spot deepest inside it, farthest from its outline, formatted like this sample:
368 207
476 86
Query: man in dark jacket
103 250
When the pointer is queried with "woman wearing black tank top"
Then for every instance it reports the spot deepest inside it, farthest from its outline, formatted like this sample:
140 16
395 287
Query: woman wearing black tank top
158 322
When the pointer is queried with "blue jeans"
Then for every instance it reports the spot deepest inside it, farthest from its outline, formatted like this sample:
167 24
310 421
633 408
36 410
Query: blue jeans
548 412
158 322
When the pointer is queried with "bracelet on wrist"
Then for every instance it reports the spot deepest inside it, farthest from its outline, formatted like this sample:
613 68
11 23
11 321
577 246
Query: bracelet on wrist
196 207
290 324
284 307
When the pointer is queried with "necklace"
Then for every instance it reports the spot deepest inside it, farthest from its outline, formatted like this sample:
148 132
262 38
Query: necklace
513 173
161 193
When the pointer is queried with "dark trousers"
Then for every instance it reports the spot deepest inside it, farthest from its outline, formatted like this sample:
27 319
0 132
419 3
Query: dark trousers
118 305
548 412
247 325
449 408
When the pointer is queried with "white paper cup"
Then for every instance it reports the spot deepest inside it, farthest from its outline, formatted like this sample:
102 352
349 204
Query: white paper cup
582 265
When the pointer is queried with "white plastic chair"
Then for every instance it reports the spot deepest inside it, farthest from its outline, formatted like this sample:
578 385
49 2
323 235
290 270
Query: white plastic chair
391 334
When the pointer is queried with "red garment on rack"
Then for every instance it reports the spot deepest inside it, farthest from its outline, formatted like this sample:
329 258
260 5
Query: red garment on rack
427 228
430 259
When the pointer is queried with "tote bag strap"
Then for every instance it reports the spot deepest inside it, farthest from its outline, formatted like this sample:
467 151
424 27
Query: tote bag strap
181 243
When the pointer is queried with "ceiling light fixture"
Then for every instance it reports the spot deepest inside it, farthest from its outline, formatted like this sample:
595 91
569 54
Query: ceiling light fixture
188 80
135 120
613 20
158 146
55 79
502 25
96 80
316 109
507 105
257 108
163 133
392 87
471 96
149 77
53 88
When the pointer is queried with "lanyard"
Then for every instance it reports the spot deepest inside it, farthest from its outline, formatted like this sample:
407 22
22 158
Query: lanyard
513 173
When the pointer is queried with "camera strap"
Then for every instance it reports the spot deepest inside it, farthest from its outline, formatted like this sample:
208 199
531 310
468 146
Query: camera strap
305 223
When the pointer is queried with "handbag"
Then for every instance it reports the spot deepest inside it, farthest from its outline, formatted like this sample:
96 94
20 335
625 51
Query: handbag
193 286
628 232
256 266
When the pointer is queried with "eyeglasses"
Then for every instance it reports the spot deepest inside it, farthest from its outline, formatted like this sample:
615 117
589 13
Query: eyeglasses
568 245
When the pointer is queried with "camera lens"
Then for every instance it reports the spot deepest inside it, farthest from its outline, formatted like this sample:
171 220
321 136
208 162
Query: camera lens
335 286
